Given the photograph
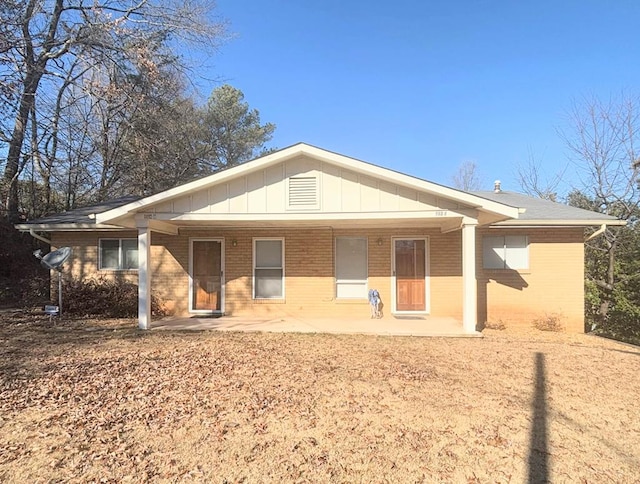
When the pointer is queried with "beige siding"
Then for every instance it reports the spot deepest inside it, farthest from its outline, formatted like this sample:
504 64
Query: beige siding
339 190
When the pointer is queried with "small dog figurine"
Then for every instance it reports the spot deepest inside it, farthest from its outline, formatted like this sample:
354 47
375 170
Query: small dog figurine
375 302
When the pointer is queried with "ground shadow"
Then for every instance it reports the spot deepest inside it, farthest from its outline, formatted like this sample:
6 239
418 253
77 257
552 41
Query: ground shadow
538 441
29 340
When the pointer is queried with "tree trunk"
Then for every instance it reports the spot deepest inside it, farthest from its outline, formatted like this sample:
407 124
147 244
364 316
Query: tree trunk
13 167
35 67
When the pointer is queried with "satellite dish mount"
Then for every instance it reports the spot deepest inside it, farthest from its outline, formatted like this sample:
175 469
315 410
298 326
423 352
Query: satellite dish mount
53 261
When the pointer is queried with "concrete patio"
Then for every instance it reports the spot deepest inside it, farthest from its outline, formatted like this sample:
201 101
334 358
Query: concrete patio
388 326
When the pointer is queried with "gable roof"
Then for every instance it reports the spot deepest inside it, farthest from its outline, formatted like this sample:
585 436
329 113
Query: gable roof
538 211
499 210
502 208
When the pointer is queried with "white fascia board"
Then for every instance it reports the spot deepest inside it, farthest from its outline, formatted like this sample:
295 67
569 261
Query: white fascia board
68 227
297 216
557 223
321 155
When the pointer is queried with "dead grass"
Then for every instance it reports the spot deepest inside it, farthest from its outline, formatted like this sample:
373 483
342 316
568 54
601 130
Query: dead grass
103 402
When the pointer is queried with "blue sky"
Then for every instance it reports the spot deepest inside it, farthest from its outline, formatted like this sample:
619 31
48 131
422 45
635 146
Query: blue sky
423 86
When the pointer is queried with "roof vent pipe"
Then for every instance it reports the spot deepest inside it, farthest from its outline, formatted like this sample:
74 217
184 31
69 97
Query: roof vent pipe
496 186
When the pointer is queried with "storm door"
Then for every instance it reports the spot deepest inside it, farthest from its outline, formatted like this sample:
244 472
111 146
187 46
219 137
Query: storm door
207 275
410 269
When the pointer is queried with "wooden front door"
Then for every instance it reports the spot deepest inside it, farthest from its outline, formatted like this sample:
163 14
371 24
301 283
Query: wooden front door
410 271
207 275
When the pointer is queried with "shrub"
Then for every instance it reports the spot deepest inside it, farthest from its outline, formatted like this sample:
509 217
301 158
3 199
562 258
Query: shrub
105 298
549 322
622 322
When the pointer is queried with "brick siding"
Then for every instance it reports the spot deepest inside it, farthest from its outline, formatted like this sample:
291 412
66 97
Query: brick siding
552 284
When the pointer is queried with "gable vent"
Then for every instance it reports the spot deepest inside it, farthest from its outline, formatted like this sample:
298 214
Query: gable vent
303 192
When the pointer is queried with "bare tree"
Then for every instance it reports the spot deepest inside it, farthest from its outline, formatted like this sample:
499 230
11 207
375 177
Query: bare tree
39 39
537 184
602 137
467 178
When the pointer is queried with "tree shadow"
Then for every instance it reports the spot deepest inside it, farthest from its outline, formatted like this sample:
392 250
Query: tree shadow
538 441
30 340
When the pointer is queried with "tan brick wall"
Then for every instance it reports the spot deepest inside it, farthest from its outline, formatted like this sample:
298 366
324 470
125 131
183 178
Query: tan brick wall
83 262
553 284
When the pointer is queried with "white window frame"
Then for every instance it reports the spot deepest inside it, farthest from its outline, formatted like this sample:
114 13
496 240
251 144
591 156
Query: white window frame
120 254
254 244
507 249
364 281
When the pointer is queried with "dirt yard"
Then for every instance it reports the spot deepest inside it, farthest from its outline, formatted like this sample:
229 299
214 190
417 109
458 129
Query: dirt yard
102 402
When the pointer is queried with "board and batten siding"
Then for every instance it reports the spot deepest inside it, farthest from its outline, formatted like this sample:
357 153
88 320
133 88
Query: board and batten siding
338 191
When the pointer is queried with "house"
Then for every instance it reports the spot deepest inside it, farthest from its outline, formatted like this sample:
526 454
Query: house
304 231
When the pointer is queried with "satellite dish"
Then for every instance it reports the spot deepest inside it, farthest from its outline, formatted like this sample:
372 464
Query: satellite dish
53 261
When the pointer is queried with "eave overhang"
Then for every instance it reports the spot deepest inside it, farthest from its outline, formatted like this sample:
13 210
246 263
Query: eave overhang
70 227
558 223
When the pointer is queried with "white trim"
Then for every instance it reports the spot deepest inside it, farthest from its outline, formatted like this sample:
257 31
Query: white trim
71 227
522 223
427 274
222 276
469 278
253 269
315 216
144 278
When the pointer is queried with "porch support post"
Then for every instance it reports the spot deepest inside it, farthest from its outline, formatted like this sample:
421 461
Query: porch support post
144 276
469 283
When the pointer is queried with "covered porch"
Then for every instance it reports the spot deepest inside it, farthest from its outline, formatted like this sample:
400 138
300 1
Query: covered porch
422 326
270 235
447 272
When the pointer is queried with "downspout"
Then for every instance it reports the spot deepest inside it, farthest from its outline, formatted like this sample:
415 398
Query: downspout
39 237
598 232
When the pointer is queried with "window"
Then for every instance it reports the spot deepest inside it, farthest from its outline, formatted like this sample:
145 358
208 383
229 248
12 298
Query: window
118 254
351 268
505 252
268 269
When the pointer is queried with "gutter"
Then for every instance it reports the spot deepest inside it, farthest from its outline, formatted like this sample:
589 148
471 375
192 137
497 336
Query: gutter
39 237
598 232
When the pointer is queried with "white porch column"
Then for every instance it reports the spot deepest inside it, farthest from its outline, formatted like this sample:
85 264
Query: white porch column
469 283
144 276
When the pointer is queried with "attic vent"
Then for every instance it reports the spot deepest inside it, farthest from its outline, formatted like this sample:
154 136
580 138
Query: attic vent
303 192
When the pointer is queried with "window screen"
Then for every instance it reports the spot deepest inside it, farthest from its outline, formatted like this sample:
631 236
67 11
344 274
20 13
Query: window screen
118 254
351 267
268 269
505 252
